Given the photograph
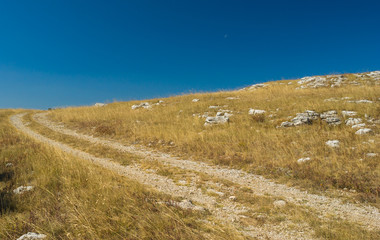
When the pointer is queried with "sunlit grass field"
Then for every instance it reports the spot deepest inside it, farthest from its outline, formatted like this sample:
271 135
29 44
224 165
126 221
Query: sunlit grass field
73 199
255 143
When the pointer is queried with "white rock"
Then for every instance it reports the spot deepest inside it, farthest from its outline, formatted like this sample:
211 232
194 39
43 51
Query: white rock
279 203
349 113
195 100
22 189
363 101
302 160
255 111
232 98
371 154
353 121
9 164
141 105
331 100
32 236
361 125
214 107
216 120
287 124
232 198
333 143
363 131
99 104
259 85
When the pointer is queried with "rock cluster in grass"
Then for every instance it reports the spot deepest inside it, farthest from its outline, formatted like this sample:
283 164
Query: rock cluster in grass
100 104
256 86
371 154
333 143
145 105
232 98
307 117
360 101
336 80
195 100
256 111
349 113
220 118
32 236
22 189
363 131
302 160
353 121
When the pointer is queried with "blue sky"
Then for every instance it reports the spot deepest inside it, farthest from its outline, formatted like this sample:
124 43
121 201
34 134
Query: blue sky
62 53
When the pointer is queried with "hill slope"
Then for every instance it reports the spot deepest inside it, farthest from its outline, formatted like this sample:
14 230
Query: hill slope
315 140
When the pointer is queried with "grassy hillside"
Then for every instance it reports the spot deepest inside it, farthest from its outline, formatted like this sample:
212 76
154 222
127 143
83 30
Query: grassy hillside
256 143
73 199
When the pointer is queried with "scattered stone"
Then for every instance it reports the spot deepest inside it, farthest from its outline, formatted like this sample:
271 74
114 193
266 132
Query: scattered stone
255 111
333 143
279 203
9 164
361 125
232 198
287 124
331 100
256 86
302 160
353 121
349 113
363 131
331 117
217 120
232 98
195 100
361 101
100 104
371 154
32 236
22 189
305 118
214 107
142 105
313 82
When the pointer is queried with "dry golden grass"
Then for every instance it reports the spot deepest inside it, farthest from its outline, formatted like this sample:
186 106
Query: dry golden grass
73 199
261 210
251 143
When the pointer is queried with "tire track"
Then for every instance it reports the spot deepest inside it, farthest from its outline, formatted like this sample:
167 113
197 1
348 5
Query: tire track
366 216
229 214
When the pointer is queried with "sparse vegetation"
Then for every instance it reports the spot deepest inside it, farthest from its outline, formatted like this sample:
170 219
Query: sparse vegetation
76 200
73 199
253 142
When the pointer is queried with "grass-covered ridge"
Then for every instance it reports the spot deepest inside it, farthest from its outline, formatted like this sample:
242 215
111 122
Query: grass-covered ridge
73 199
251 142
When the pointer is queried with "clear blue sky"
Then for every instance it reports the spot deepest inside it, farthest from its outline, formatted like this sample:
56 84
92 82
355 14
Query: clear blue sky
60 53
